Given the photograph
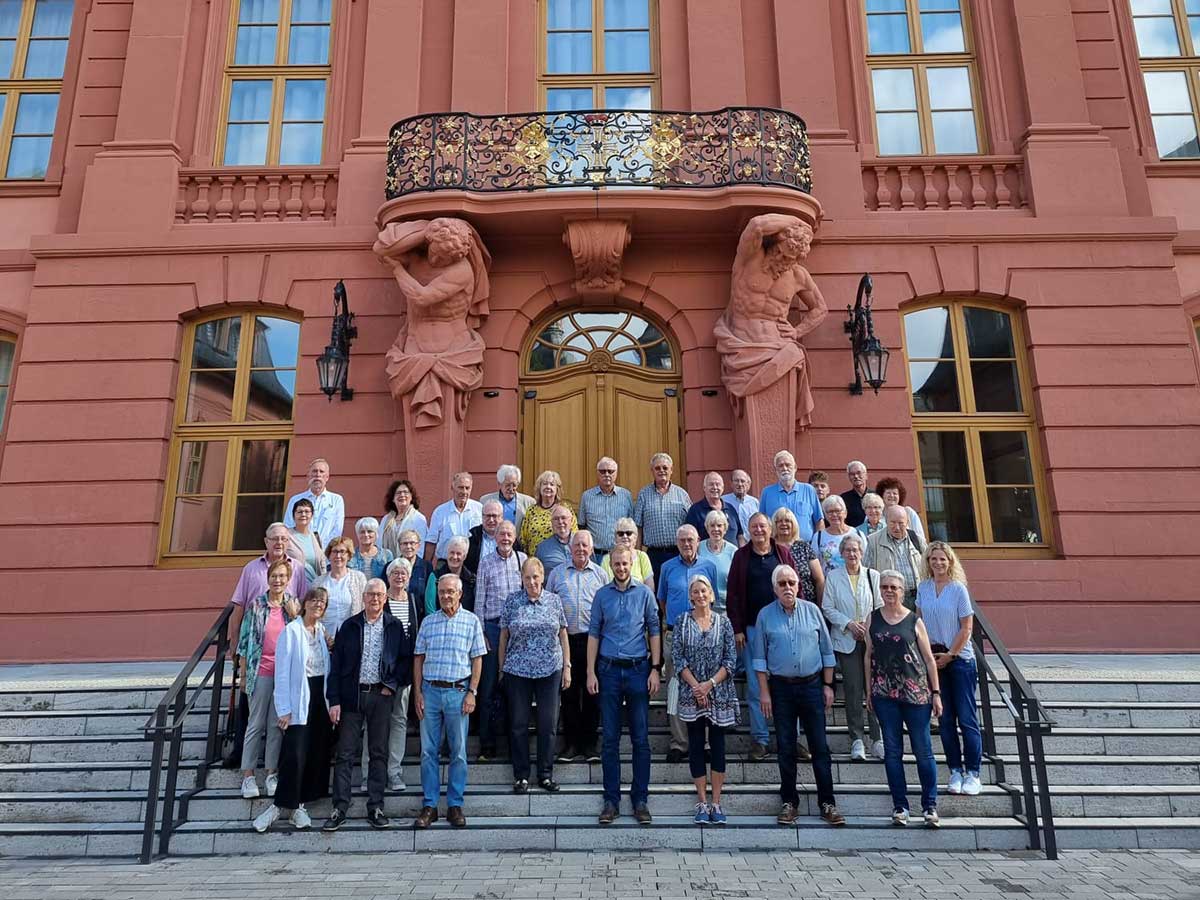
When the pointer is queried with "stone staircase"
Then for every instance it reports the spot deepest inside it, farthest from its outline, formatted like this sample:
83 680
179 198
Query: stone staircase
1123 761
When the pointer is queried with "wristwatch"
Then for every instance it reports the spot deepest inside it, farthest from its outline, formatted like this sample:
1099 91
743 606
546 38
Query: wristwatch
657 667
472 692
713 682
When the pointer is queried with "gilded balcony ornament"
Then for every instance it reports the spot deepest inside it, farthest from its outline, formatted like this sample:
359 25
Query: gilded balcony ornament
664 144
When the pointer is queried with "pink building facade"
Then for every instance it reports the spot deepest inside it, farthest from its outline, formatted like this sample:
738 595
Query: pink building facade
187 181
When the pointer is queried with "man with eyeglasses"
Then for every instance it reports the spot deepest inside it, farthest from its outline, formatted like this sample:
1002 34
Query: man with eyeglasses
513 503
800 498
660 509
482 541
329 509
600 507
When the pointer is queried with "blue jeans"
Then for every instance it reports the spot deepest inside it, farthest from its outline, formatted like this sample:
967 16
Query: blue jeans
491 698
803 705
758 722
958 683
618 684
894 716
443 714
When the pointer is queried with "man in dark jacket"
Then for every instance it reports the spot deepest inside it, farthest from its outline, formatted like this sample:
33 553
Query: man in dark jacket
370 663
481 539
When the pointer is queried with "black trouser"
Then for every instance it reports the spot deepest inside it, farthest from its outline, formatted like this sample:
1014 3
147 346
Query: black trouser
304 756
803 704
658 556
580 710
716 743
520 692
375 712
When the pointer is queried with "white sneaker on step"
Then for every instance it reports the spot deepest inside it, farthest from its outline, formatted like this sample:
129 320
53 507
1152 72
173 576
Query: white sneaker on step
266 818
301 819
249 788
877 749
271 784
956 783
971 785
858 751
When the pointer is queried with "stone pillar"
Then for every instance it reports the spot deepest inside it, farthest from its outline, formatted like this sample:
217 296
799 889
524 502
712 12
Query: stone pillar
763 424
433 455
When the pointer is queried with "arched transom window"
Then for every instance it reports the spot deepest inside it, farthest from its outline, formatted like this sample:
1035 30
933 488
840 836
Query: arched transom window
626 338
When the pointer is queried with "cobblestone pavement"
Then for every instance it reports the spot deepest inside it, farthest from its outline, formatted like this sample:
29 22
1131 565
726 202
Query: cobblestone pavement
1079 875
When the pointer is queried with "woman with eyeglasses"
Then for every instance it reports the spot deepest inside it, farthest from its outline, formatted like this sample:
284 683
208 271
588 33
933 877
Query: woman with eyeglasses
402 512
344 585
537 524
626 535
304 544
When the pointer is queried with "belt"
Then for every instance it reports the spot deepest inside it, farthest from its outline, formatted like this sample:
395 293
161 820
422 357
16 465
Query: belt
376 688
622 663
457 685
789 679
663 547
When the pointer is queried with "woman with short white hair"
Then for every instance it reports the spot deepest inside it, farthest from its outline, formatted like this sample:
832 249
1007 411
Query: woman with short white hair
827 544
625 534
453 564
370 558
719 552
873 507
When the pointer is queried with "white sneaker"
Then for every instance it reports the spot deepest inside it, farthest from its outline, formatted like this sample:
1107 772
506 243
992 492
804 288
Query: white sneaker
900 817
301 818
956 783
931 819
249 788
397 785
365 786
272 783
858 751
266 818
877 749
971 785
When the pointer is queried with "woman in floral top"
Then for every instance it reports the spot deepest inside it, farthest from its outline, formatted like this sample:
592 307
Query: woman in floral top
536 525
533 645
812 576
904 691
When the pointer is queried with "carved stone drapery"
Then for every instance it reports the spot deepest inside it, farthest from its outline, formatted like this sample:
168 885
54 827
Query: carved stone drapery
597 246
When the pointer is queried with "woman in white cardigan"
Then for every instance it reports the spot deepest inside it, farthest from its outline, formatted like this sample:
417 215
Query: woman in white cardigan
301 664
851 595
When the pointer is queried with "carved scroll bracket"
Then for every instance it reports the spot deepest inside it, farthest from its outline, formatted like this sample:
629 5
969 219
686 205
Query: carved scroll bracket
598 247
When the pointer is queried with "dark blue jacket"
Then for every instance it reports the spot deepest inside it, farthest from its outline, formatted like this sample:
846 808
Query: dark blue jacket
341 685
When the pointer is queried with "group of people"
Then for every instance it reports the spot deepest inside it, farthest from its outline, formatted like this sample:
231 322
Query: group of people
515 607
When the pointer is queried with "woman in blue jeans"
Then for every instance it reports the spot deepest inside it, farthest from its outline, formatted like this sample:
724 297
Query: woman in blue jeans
945 607
903 691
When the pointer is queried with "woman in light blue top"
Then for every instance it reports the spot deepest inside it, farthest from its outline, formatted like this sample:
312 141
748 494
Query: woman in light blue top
827 544
872 505
719 552
370 559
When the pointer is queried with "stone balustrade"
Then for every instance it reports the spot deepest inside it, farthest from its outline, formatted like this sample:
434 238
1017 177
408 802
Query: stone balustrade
912 184
258 194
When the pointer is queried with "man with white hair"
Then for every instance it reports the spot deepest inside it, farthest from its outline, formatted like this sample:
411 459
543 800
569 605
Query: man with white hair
660 509
791 494
741 499
512 502
601 506
456 517
329 509
856 472
897 547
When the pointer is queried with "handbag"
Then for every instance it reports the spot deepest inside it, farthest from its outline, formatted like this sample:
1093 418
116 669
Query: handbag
673 696
231 753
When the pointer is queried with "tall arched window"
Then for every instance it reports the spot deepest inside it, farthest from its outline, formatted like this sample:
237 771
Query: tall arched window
973 422
233 428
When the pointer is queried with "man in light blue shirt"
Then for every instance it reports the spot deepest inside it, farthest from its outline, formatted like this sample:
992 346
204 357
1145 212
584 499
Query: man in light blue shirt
329 509
454 518
600 507
793 661
801 499
741 499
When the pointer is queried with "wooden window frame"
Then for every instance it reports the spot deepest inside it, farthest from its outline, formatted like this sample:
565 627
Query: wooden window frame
8 337
598 78
1187 63
920 62
13 89
278 74
235 432
971 423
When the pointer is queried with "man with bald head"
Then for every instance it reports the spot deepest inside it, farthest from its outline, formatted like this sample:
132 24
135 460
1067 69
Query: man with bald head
714 487
741 499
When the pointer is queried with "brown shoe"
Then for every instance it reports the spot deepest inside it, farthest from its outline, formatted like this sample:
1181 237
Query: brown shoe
758 752
642 813
608 814
454 815
787 815
426 817
830 814
803 754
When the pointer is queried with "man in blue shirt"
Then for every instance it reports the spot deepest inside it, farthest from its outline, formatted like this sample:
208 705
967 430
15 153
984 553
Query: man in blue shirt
793 661
673 582
624 660
801 499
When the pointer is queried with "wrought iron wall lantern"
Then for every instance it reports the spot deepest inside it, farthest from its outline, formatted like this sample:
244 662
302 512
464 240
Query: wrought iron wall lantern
870 356
333 366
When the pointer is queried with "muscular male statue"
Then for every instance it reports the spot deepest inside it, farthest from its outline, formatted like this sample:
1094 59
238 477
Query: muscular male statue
441 268
756 341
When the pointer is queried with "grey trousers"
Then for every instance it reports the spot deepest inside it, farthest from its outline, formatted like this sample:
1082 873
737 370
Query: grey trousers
854 686
679 735
263 723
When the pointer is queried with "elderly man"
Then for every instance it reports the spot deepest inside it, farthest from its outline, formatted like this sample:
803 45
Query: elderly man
447 663
856 473
741 499
897 547
482 542
512 502
456 517
793 661
623 664
714 487
555 550
660 509
369 664
499 576
576 584
673 602
329 509
800 498
601 506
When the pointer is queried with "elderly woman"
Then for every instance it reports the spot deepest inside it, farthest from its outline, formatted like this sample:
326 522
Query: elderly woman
719 552
404 607
533 645
453 564
625 534
944 605
851 595
827 544
265 618
903 679
370 558
301 663
401 513
537 524
873 507
812 577
893 492
304 545
704 654
344 585
410 550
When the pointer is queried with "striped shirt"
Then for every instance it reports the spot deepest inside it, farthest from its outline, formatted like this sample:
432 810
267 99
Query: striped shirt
660 515
942 613
598 513
497 578
449 643
577 589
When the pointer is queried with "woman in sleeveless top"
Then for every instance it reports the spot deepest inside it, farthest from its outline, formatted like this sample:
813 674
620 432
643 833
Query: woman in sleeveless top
903 693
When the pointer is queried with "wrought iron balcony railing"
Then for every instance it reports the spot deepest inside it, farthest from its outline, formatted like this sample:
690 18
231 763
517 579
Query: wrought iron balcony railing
595 148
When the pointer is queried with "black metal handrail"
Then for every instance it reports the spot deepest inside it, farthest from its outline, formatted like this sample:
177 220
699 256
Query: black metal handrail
160 729
595 148
1032 804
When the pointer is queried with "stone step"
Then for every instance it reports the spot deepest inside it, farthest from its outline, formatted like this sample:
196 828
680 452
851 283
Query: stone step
86 748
